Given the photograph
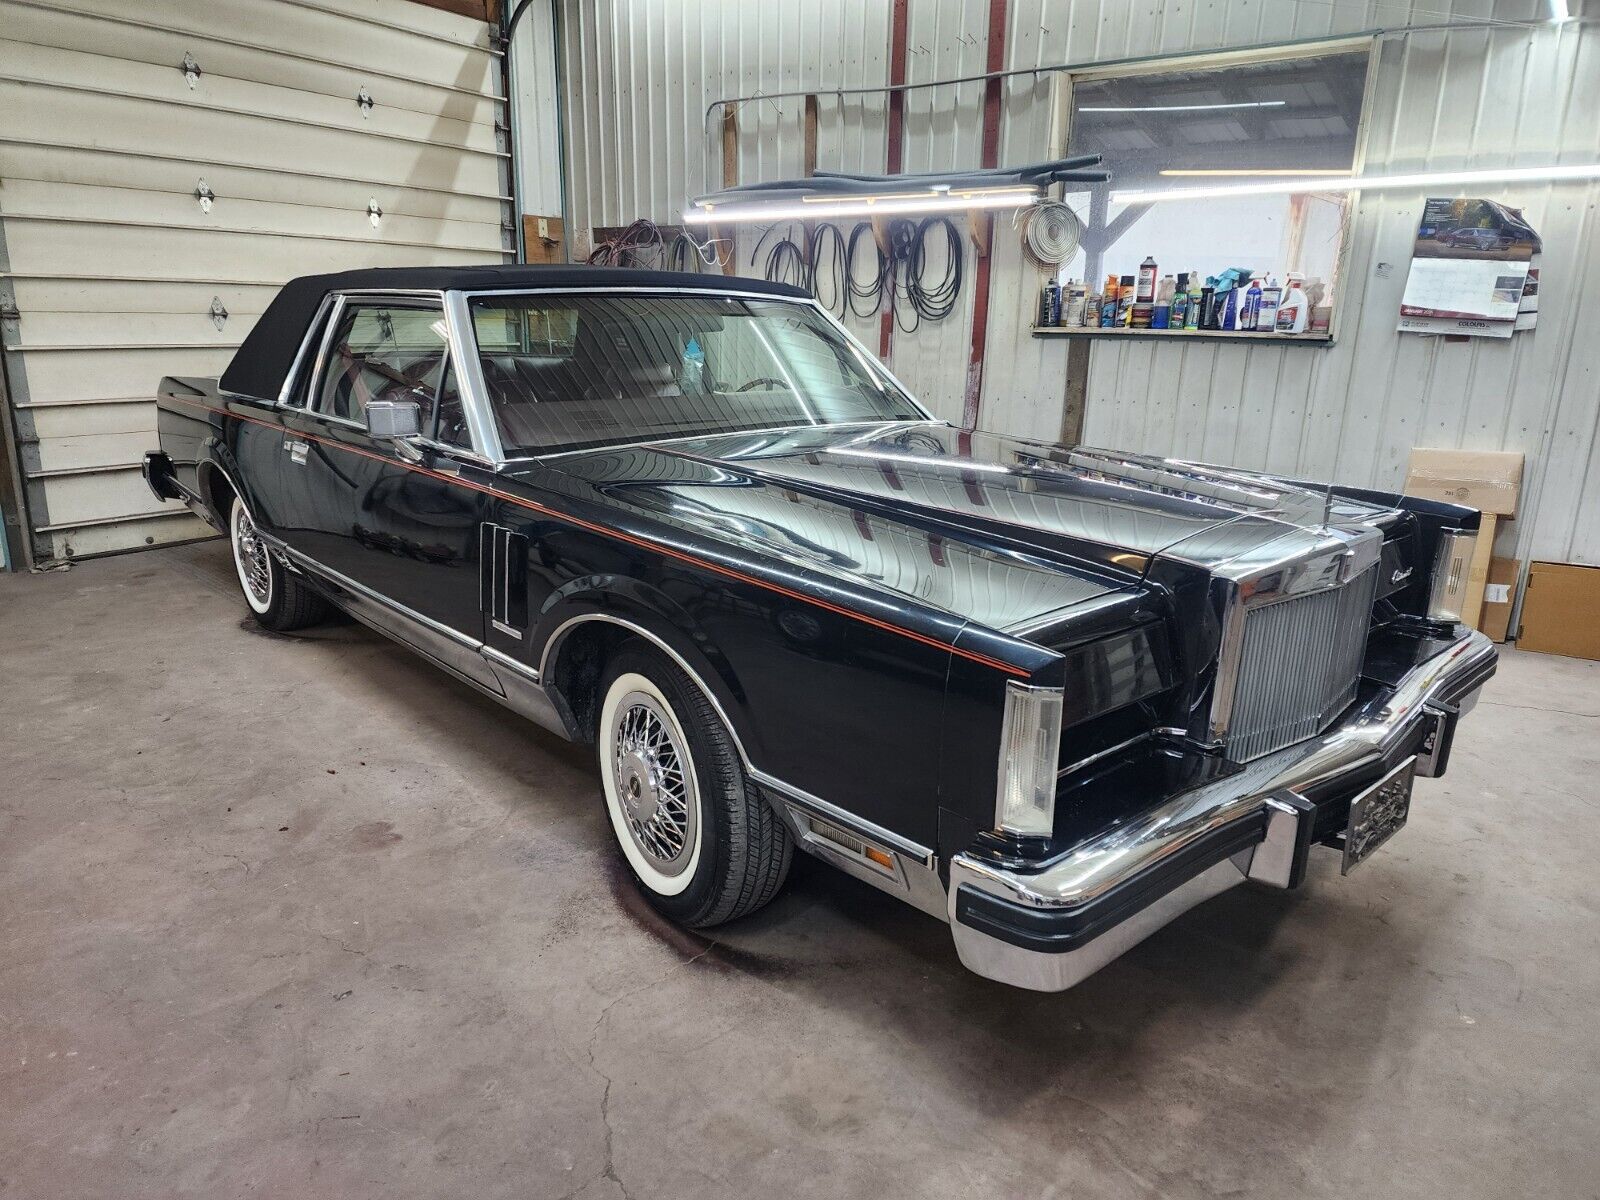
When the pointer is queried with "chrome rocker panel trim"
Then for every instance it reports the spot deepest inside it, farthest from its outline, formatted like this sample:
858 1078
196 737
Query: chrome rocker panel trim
1255 806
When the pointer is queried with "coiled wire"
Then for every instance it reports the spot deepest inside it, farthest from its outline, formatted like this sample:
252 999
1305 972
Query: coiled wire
849 273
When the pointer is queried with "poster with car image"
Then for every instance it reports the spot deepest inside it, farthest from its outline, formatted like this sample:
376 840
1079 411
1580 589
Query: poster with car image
1469 269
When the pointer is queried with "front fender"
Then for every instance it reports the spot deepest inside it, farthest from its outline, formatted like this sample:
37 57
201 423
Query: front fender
648 613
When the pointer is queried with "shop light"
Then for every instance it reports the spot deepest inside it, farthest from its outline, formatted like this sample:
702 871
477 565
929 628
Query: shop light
1559 11
887 204
1451 179
1144 108
1295 172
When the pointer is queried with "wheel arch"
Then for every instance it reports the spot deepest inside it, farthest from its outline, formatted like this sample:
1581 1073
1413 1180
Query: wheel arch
583 633
217 482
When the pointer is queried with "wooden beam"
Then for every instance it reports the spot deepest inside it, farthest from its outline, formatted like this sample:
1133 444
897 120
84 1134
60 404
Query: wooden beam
990 158
980 228
727 246
543 239
477 9
810 136
730 148
894 153
809 162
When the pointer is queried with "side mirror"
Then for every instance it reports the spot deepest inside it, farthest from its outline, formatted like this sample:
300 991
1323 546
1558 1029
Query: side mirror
393 420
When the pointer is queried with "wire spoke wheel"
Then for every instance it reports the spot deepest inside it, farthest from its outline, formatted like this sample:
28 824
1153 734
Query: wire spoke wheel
654 782
250 556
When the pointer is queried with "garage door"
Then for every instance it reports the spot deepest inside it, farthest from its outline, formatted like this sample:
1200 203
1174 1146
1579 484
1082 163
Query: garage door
164 166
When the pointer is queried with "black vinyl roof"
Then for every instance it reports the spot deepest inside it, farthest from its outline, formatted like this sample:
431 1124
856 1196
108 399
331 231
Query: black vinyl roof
267 353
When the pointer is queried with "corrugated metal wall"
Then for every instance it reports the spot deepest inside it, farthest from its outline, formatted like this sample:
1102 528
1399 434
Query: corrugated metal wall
639 74
109 264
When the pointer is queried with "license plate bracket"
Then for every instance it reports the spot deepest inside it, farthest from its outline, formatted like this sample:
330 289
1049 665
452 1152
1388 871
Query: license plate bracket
1377 814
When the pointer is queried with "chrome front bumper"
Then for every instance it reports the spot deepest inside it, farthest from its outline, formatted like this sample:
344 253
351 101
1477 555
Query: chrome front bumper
1049 929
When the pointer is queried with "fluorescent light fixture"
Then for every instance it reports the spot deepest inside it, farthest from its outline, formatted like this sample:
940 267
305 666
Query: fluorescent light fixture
824 207
1366 183
1559 11
1144 108
1295 172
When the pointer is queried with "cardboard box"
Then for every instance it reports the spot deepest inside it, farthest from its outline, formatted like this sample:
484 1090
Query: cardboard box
1499 597
1561 610
1488 480
1478 570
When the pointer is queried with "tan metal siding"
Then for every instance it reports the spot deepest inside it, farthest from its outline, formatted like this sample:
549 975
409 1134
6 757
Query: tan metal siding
108 257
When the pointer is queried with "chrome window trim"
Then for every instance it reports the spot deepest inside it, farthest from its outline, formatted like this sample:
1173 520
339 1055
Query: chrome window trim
469 377
319 328
426 298
335 313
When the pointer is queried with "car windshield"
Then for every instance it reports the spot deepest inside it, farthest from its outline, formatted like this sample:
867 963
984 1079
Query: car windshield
565 372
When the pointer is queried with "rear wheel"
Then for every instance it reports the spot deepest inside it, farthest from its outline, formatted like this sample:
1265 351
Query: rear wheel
277 600
701 843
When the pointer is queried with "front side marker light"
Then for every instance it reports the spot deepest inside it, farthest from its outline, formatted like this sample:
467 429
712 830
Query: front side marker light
1030 743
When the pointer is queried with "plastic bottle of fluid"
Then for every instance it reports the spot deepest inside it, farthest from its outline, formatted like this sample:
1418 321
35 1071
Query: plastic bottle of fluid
1196 292
1147 282
1072 309
1267 314
1249 307
1179 313
1109 295
1125 301
1293 310
1108 303
1161 315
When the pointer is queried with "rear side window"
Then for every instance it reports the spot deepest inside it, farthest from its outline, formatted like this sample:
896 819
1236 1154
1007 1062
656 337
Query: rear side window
382 352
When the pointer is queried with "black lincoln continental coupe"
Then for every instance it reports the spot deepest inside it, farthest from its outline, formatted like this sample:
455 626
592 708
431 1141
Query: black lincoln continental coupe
1051 695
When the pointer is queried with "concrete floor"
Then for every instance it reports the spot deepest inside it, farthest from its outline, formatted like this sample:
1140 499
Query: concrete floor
300 916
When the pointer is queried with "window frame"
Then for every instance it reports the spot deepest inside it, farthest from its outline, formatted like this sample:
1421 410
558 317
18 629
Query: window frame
1065 82
348 301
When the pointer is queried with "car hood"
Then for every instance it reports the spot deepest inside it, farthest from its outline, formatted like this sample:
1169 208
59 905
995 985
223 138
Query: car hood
1003 531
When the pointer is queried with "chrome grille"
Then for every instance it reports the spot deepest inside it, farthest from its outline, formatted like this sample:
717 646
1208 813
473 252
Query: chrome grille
1299 664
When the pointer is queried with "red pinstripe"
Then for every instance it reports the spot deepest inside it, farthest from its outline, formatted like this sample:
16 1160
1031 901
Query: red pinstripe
608 531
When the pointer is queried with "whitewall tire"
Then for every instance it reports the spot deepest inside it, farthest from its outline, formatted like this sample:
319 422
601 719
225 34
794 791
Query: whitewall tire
699 839
277 600
652 793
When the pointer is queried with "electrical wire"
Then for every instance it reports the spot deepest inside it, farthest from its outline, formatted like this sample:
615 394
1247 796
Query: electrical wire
1052 234
644 244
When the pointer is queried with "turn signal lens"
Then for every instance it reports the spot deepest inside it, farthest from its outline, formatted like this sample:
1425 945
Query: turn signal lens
1448 595
1030 742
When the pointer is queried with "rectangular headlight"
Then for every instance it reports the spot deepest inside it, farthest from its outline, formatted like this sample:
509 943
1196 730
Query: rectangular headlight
1447 595
1030 742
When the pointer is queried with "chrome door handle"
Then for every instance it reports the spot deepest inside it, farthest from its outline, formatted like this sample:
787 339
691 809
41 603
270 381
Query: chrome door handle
297 450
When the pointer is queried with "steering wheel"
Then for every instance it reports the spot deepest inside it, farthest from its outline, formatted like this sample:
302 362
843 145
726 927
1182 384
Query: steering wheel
766 379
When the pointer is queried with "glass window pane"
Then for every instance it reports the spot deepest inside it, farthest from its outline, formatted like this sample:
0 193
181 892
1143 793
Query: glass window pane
570 371
382 352
1236 126
448 424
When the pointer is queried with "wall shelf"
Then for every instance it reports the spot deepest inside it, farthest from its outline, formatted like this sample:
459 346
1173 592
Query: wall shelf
1192 335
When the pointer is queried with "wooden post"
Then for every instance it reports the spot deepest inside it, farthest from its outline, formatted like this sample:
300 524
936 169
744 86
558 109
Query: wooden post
894 155
730 178
542 239
809 162
990 153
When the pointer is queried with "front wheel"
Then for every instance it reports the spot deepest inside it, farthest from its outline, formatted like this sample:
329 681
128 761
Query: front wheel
278 601
701 843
